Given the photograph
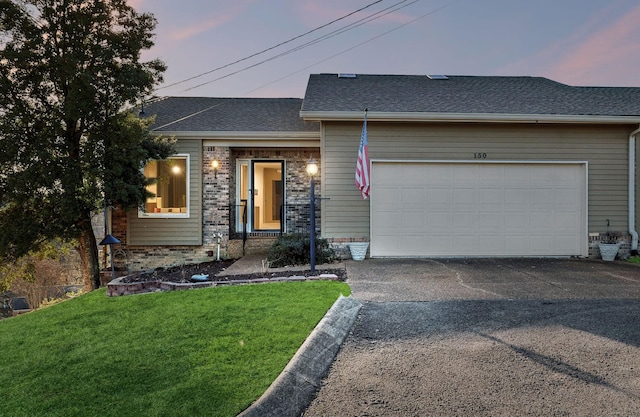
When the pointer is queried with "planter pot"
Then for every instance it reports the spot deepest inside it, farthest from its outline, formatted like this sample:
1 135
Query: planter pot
608 251
358 250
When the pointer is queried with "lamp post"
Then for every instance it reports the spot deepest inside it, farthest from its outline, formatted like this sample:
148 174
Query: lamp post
312 170
109 240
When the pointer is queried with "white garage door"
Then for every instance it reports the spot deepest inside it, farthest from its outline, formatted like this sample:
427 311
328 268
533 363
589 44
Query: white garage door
478 209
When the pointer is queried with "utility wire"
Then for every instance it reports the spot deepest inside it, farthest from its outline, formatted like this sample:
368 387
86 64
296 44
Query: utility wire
355 46
370 18
318 62
270 48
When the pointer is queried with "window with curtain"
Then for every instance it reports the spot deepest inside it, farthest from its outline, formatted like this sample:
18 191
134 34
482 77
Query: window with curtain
170 189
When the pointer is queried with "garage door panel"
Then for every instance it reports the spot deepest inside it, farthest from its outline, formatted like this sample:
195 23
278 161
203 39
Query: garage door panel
542 197
461 222
392 195
489 221
489 244
516 222
386 220
412 197
439 221
412 220
471 209
517 174
516 197
490 196
515 245
465 173
436 196
464 197
466 243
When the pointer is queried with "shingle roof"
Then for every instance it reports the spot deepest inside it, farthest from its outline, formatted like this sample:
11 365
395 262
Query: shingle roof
203 114
466 94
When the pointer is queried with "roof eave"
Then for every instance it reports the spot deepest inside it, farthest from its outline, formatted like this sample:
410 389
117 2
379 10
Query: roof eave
324 116
207 134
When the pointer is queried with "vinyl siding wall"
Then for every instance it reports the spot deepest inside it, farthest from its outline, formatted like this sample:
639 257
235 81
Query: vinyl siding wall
174 231
605 148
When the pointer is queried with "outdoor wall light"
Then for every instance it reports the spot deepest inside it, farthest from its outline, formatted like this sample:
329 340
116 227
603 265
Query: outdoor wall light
215 165
312 167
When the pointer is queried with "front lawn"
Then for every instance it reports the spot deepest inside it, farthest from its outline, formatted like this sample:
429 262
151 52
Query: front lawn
184 353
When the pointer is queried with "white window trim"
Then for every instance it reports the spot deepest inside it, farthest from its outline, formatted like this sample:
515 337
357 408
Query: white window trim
144 215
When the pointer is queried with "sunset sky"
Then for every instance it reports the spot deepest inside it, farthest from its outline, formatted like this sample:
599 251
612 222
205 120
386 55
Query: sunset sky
576 42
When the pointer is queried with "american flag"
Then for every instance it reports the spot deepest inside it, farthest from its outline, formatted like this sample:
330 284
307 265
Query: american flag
362 166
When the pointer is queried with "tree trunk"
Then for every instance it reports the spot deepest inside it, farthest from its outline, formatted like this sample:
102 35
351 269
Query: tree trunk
89 255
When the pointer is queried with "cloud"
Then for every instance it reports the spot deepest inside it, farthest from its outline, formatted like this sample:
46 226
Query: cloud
190 31
222 16
136 4
592 55
613 51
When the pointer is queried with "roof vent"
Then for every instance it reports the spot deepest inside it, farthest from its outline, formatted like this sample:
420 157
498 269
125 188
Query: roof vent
346 75
438 77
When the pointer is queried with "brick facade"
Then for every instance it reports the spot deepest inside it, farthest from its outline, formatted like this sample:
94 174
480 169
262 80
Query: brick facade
623 239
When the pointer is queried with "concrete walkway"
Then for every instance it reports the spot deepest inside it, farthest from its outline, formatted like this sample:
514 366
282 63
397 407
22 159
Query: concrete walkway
250 264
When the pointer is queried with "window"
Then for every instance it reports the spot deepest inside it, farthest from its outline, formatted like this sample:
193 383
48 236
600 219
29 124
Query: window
171 188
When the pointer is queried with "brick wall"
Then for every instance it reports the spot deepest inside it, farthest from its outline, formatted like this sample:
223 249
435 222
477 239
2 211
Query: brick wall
217 193
623 239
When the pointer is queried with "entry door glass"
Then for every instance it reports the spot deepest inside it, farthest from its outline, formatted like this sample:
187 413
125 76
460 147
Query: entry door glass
267 194
243 197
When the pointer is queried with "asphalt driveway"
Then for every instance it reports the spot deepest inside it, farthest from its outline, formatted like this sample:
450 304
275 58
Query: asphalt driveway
489 337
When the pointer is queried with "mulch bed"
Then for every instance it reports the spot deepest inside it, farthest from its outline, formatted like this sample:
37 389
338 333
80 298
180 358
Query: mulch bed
183 273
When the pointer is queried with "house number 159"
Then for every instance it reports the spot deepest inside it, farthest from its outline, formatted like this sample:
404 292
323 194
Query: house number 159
480 156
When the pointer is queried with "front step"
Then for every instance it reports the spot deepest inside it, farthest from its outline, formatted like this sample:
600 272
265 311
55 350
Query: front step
255 245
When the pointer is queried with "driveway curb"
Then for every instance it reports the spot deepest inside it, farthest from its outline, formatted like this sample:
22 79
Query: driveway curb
292 392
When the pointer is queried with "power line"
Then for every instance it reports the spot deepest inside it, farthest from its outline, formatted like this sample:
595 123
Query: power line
270 48
395 7
355 46
318 62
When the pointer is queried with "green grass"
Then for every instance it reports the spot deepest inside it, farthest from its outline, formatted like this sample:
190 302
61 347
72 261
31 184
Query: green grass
634 259
186 353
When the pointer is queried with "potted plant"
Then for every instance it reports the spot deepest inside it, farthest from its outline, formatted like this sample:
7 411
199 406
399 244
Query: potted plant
609 245
358 250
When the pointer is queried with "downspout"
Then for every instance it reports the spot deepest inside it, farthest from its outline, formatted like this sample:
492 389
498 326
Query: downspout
632 190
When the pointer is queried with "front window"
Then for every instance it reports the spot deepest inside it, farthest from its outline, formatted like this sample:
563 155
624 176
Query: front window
170 189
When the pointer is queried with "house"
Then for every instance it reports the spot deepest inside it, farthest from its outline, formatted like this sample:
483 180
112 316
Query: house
238 180
460 166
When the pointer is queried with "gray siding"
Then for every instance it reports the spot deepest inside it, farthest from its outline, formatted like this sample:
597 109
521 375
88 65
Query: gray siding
604 147
170 231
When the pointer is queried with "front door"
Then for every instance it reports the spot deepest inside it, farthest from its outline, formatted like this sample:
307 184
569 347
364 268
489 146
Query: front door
261 194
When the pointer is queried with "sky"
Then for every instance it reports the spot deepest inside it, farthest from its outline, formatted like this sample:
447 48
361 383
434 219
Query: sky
575 42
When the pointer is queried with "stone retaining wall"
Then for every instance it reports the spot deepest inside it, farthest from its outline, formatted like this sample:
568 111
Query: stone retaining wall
117 287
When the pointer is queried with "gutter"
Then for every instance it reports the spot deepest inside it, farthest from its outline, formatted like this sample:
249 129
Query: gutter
632 191
324 116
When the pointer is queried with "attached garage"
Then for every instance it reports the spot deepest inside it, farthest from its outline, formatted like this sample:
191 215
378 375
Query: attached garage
453 208
477 166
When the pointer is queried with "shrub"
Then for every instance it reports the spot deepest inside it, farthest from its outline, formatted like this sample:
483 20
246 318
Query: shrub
41 275
293 249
